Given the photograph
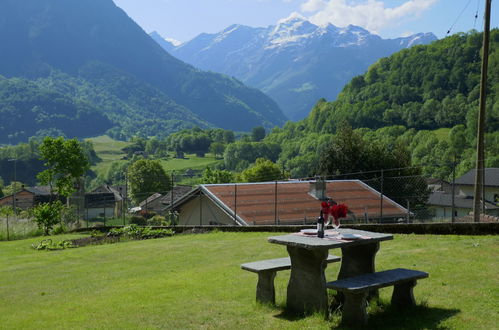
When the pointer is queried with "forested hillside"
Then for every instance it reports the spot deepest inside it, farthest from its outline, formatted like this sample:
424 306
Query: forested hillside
424 87
402 100
28 109
92 52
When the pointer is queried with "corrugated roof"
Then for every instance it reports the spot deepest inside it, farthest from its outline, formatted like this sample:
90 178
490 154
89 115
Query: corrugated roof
39 190
108 189
178 192
150 199
491 177
255 203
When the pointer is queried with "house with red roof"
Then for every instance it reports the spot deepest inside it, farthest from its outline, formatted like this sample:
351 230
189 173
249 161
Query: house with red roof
282 203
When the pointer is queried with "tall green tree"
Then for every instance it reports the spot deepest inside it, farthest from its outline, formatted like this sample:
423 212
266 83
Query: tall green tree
217 148
386 167
146 177
257 133
217 176
263 170
66 163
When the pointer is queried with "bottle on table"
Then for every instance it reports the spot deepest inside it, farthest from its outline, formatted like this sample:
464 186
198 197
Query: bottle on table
320 226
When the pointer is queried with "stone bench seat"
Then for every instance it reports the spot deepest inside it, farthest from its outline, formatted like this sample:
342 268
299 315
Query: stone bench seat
356 290
266 270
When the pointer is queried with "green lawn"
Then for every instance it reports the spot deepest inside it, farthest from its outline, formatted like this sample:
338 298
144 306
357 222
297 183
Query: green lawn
109 150
190 161
194 281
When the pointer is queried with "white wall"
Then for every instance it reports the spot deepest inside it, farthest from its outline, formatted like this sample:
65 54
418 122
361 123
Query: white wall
99 212
490 192
442 213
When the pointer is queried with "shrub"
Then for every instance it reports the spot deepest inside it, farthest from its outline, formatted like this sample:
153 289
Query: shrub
47 215
47 244
135 232
157 220
138 220
61 229
69 217
147 214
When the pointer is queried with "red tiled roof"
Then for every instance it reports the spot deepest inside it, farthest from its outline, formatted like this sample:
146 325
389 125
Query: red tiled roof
255 203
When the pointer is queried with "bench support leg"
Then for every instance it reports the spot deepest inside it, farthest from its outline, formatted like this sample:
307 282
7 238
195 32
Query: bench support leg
358 260
265 291
307 284
354 309
403 295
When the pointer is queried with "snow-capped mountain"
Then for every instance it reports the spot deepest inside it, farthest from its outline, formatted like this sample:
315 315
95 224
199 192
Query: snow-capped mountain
295 61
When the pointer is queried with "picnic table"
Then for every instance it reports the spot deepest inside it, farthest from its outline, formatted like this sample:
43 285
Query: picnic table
307 290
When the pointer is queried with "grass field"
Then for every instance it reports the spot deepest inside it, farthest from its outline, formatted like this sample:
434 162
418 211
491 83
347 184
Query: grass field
109 150
442 134
194 281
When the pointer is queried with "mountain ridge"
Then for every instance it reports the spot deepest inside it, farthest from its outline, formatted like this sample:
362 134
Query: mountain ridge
42 37
295 61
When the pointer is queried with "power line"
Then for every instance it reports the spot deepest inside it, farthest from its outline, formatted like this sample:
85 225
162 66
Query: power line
458 17
476 12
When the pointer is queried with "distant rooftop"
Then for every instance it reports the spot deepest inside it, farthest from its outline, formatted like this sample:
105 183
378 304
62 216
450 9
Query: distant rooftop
491 177
440 198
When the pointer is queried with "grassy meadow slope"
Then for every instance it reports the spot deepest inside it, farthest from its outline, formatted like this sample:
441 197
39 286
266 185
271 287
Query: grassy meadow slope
194 281
110 150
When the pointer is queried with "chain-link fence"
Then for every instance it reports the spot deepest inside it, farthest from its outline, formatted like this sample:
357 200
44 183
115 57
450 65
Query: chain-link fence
14 227
383 196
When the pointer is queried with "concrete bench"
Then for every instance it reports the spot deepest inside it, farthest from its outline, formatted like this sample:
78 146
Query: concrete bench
356 290
266 270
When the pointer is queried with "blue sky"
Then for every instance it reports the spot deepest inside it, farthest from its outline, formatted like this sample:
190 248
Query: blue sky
184 19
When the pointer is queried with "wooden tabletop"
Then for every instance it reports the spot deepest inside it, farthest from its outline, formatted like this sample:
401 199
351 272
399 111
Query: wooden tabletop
330 241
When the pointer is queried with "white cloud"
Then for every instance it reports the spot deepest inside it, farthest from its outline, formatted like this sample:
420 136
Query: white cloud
313 5
369 14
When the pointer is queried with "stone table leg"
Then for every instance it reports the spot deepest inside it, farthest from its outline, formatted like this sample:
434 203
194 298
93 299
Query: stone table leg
358 260
307 284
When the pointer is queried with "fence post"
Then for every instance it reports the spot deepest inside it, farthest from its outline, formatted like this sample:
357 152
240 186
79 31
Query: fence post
123 210
453 210
8 235
275 204
381 198
408 211
235 204
200 208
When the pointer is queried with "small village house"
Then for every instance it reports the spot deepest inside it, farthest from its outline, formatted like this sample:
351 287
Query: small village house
285 203
28 197
440 200
440 206
103 202
465 184
161 204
